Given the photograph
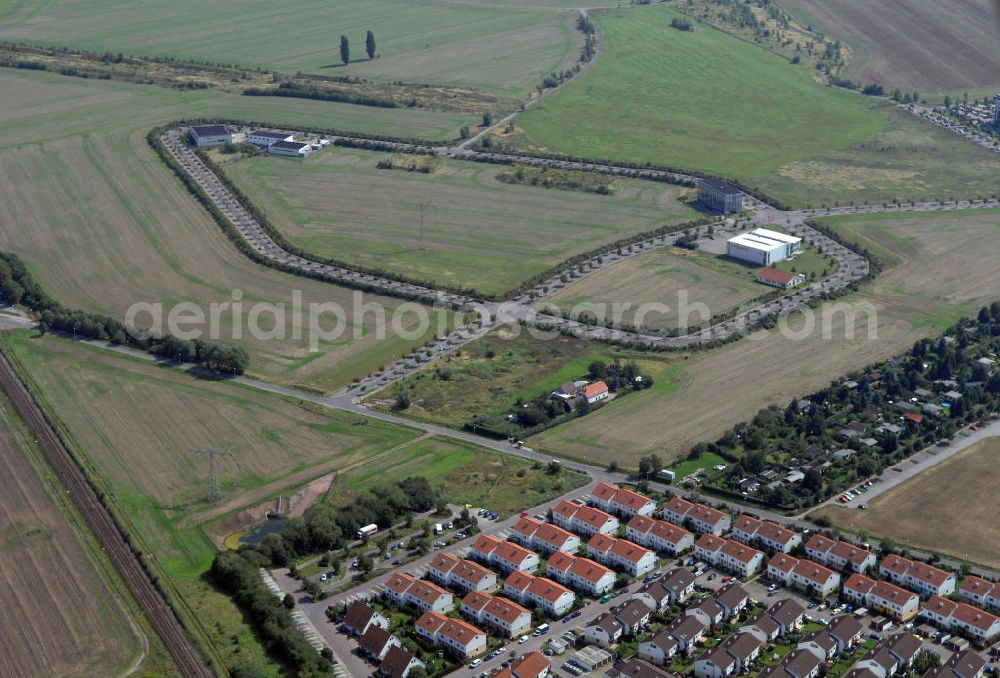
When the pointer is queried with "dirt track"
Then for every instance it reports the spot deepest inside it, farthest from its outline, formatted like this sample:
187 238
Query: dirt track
183 651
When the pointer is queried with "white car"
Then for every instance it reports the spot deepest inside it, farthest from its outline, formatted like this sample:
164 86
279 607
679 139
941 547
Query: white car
475 662
522 640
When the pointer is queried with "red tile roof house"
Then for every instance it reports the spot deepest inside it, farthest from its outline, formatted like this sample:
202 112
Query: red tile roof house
544 537
622 502
701 518
963 618
531 665
659 535
359 616
925 579
747 529
458 637
553 598
509 618
595 392
708 548
780 567
462 575
503 555
782 279
881 596
740 559
621 554
581 574
398 663
584 520
376 642
981 592
814 578
404 590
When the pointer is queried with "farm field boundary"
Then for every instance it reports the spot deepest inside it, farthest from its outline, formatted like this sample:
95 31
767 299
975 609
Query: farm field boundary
161 614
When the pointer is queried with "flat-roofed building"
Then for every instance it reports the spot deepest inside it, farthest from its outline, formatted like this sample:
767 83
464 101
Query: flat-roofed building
763 246
206 136
719 196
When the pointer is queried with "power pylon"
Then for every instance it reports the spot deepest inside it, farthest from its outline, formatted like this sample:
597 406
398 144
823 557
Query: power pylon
214 492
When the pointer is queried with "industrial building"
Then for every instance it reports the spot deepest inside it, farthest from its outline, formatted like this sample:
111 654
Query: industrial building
764 247
204 136
266 138
719 196
291 149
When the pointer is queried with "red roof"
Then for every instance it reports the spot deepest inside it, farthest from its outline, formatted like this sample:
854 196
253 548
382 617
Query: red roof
776 276
783 562
531 665
595 389
914 417
547 589
859 583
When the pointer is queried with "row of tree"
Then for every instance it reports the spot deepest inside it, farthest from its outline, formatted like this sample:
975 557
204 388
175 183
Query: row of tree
345 47
19 287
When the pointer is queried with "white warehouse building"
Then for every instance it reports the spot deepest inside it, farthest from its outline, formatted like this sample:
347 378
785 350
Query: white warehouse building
763 247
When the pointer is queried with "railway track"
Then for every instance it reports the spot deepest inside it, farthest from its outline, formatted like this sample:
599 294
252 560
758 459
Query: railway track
182 649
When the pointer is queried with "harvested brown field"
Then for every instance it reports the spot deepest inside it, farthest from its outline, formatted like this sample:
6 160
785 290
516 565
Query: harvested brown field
950 508
60 618
939 268
924 45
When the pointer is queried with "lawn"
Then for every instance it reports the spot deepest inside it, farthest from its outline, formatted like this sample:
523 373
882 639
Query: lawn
477 232
899 42
62 612
504 49
922 512
939 269
104 224
464 474
709 102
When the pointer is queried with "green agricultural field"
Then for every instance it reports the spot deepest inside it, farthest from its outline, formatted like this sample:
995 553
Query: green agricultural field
478 231
104 224
504 49
709 102
465 474
939 268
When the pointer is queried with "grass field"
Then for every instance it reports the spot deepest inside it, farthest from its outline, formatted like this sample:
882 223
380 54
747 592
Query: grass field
939 268
491 374
60 615
899 43
677 278
103 224
465 474
923 512
779 131
478 231
505 49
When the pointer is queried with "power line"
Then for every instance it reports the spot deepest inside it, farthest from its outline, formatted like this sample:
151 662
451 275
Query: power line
214 454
